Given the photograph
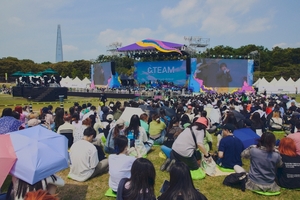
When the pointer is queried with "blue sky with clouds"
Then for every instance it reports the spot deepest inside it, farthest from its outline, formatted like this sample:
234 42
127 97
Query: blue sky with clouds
28 27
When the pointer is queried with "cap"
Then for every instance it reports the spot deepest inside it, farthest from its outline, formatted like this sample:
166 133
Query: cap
190 107
229 127
33 122
202 120
109 117
120 122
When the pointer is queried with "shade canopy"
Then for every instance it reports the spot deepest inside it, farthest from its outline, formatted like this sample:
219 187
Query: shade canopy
49 71
18 73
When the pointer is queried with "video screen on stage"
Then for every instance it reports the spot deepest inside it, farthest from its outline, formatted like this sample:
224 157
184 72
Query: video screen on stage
100 73
223 72
169 71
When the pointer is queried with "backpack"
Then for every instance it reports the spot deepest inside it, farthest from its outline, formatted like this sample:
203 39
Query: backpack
236 180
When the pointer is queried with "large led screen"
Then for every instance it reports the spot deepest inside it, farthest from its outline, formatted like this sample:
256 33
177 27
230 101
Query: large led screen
223 72
100 73
170 71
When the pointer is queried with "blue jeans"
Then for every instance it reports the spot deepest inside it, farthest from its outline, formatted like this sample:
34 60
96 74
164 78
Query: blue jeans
161 139
166 150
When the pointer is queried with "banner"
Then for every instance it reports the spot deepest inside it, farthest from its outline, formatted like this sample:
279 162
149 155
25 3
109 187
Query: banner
169 71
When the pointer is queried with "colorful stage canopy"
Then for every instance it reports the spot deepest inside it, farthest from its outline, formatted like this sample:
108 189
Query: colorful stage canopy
150 44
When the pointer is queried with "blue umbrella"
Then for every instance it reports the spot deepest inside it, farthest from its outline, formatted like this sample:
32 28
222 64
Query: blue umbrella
40 153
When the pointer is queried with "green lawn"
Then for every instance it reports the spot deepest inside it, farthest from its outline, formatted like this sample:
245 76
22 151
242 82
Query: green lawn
211 187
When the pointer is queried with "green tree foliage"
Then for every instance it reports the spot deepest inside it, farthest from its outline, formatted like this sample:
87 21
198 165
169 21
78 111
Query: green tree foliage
273 63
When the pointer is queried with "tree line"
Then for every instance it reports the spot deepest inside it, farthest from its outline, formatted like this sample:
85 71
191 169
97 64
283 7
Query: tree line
276 62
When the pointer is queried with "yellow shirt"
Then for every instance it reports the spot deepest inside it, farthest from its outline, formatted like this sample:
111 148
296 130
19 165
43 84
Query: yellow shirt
156 128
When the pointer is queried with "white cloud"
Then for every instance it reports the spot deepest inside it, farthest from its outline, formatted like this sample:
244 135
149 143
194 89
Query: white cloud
216 17
185 12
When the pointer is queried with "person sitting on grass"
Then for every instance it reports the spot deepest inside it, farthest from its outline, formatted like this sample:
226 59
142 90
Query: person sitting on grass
141 183
230 148
84 158
112 134
181 184
120 163
157 129
185 145
263 163
288 175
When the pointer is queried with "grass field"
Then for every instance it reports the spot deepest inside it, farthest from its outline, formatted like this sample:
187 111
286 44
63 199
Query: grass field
95 188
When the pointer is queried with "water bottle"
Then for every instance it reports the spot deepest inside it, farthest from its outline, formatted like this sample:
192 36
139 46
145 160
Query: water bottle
130 137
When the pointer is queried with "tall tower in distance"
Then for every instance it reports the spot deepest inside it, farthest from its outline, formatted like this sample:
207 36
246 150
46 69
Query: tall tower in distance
59 50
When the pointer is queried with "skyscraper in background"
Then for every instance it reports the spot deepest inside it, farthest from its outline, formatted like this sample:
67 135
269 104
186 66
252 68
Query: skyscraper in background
59 50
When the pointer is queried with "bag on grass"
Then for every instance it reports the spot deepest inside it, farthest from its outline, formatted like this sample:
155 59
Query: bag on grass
236 180
209 167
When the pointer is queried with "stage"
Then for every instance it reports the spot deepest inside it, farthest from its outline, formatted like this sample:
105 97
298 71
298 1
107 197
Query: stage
40 93
52 93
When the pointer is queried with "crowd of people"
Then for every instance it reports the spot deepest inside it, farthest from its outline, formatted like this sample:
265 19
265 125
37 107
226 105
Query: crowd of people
100 141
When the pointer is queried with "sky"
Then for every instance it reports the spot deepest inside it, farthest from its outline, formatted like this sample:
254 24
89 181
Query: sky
28 28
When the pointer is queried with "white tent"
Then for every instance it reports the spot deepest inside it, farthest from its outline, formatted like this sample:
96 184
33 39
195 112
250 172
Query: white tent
256 83
86 81
290 82
264 85
129 111
273 81
77 83
66 82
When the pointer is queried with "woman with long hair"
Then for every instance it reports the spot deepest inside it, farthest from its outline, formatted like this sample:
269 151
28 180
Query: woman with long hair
59 117
181 184
140 186
137 135
157 129
257 124
119 163
288 173
112 134
263 163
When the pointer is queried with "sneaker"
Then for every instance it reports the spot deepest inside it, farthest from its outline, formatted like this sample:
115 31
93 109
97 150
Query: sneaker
170 165
164 166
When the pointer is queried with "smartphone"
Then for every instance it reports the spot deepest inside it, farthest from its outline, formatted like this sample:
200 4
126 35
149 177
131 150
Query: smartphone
165 186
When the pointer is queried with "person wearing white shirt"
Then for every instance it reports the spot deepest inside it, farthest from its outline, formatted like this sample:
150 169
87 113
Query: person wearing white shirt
120 163
84 158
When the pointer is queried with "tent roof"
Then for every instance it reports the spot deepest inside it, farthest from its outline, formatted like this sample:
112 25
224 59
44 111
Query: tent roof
150 44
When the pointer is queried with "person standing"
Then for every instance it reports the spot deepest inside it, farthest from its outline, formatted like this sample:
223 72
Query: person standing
223 76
